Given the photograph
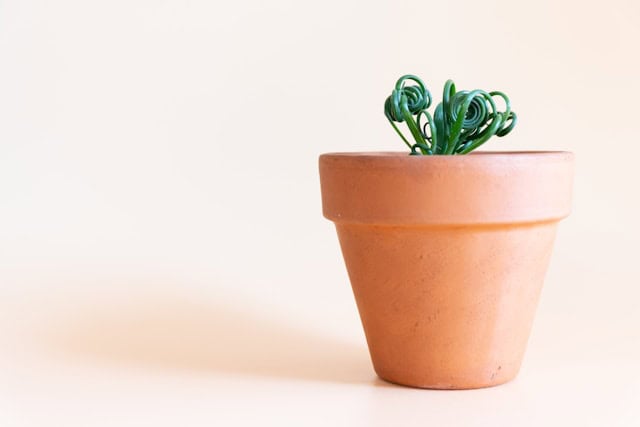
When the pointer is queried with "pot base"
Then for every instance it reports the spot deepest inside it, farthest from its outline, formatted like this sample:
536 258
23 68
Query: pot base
495 379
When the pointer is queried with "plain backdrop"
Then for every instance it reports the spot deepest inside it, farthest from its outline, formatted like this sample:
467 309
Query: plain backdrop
163 258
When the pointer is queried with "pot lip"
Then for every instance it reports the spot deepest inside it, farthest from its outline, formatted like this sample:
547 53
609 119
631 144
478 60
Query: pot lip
527 154
487 187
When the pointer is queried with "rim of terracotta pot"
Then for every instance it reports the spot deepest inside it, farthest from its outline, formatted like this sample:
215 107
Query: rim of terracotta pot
483 188
475 154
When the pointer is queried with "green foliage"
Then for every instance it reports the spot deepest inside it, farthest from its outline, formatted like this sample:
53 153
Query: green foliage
462 122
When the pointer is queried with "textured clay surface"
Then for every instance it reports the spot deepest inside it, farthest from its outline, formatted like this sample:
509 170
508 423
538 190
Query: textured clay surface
446 258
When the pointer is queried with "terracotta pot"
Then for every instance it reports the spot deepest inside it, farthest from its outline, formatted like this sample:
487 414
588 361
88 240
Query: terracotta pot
446 256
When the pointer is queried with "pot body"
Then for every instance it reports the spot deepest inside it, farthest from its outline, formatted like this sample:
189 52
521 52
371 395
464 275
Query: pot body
446 256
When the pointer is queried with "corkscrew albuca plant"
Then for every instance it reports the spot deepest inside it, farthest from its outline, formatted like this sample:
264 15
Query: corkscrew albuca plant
462 122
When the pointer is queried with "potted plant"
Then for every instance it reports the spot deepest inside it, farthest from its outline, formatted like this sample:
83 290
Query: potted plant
446 251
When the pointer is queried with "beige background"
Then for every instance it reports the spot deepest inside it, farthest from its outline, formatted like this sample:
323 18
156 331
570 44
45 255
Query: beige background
163 259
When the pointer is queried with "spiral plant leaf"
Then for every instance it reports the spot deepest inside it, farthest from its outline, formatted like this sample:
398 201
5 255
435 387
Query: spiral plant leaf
462 122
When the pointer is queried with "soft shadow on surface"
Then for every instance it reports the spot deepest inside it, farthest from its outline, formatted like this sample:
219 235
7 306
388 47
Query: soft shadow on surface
173 333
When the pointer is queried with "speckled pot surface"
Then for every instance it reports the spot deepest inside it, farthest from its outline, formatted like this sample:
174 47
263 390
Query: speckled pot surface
446 256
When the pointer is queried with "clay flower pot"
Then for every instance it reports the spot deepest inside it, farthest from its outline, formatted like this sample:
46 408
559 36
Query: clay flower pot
446 256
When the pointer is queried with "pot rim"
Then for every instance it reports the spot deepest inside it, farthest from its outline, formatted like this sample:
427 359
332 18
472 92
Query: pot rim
487 187
498 154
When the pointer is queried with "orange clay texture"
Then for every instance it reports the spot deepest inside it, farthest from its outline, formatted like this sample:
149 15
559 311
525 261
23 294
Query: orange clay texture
447 257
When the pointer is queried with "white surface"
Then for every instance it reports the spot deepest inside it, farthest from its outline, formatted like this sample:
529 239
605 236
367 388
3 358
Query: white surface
163 260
